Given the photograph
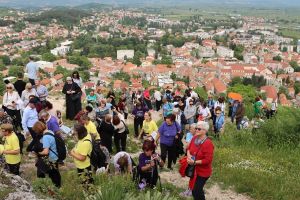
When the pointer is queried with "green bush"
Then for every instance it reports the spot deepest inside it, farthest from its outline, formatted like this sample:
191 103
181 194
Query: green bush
283 129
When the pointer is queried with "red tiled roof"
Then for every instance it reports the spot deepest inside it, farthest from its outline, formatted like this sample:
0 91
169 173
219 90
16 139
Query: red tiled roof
58 76
220 87
46 81
270 91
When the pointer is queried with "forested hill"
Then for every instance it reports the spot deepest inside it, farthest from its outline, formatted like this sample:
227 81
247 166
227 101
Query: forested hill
64 16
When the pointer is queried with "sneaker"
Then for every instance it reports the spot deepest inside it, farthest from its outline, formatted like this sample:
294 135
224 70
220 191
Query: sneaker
185 193
190 193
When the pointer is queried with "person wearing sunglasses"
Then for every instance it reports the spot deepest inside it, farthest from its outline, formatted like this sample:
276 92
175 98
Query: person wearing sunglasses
220 119
29 91
11 99
200 154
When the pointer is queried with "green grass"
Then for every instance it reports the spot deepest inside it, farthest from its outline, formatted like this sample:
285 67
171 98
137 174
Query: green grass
4 192
290 33
105 187
254 169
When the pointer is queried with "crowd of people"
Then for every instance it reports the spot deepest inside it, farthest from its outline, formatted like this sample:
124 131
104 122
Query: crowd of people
101 130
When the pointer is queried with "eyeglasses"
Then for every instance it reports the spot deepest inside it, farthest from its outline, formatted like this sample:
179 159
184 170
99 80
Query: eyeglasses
198 129
218 113
9 88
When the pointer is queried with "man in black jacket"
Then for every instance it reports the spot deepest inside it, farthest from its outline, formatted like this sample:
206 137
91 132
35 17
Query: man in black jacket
20 84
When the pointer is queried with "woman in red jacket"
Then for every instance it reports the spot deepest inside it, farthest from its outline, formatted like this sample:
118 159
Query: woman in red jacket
200 153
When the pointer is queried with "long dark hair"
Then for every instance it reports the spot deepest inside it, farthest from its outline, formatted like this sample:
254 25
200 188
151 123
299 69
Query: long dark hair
77 73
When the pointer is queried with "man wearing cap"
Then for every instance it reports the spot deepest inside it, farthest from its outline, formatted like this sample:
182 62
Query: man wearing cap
30 116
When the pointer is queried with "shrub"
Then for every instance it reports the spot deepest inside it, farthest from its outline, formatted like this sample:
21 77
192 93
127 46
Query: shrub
283 129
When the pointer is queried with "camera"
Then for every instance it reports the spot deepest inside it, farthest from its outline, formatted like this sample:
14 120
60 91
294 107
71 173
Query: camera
155 156
147 161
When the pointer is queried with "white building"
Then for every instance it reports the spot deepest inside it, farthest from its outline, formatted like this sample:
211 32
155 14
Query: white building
164 79
44 64
288 48
60 51
206 52
225 52
298 46
63 49
123 54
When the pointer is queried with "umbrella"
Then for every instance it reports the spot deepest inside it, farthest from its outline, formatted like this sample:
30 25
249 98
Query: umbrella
235 96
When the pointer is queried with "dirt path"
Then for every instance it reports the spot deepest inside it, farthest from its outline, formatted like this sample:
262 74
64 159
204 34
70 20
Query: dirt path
214 192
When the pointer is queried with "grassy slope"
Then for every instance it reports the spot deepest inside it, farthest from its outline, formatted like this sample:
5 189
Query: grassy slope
254 169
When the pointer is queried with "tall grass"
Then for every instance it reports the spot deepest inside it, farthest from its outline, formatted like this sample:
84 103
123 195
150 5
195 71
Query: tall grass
264 164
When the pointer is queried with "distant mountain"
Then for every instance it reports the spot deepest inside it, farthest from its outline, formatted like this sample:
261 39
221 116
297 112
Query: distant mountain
47 3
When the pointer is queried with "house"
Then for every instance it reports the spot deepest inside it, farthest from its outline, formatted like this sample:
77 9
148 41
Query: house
284 101
219 86
206 52
271 93
44 64
225 52
125 54
64 63
287 68
298 97
291 92
57 79
117 84
89 85
60 51
46 82
209 43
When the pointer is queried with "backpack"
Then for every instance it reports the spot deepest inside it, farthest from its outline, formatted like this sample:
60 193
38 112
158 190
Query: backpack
168 96
60 147
97 156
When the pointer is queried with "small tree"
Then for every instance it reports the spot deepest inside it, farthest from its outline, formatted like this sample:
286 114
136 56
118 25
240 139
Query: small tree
14 70
277 58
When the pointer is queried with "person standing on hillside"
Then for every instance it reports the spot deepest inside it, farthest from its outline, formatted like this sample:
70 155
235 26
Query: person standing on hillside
257 108
30 117
73 98
239 115
157 97
32 69
20 84
41 91
147 98
139 113
11 149
200 154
